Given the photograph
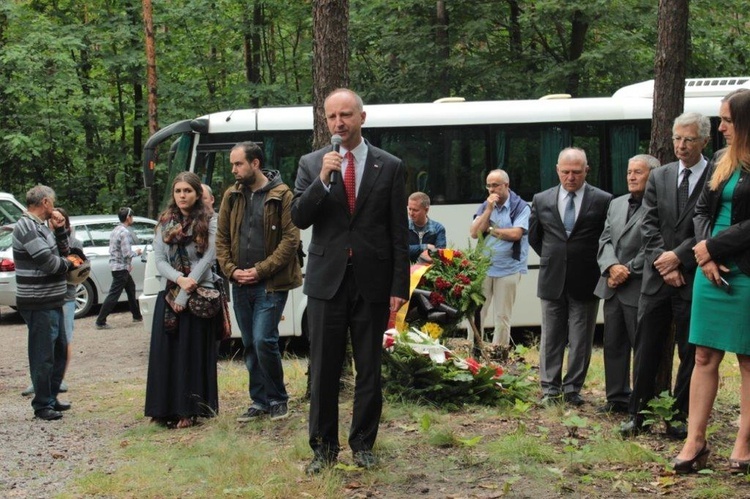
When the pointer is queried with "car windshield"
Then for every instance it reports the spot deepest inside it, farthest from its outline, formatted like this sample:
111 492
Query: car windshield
6 239
9 212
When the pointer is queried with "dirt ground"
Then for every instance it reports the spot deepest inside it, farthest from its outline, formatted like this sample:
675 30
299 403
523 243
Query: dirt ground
37 458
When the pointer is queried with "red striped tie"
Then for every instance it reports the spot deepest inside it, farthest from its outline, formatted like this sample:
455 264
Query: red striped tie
349 182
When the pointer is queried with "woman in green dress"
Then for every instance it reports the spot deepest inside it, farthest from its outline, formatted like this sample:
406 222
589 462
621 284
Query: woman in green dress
720 317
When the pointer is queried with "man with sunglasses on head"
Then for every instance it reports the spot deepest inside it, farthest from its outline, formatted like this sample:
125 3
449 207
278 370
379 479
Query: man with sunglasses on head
120 257
503 219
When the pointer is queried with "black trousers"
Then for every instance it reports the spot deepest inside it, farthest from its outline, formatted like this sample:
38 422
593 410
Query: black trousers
655 316
121 279
329 323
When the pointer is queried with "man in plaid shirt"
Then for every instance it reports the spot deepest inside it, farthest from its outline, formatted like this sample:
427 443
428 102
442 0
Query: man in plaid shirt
120 256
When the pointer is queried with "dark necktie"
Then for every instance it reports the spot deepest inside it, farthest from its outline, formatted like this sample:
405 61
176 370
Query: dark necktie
350 183
683 191
569 219
633 205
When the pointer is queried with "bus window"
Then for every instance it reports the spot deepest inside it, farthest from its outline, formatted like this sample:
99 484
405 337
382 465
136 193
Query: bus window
178 161
449 164
283 150
624 144
590 138
522 163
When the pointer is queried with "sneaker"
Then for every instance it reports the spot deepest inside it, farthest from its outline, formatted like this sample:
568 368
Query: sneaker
63 387
103 326
251 414
279 411
28 391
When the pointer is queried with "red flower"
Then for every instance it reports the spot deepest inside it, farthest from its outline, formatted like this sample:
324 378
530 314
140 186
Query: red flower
457 254
442 284
473 365
498 372
465 263
436 298
422 282
463 279
388 341
458 290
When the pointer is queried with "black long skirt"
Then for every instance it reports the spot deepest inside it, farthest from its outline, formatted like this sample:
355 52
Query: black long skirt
181 379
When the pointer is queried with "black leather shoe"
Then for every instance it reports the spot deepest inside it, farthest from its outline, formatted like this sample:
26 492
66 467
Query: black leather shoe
610 407
632 428
61 406
573 398
365 459
47 414
677 430
318 464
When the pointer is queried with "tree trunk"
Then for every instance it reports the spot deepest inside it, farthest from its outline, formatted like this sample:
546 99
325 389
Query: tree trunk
578 28
330 59
669 101
153 122
443 49
669 75
252 41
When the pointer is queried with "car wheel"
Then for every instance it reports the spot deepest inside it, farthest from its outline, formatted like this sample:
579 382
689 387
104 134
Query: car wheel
85 298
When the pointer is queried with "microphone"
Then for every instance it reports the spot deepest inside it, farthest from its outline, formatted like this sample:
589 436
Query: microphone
336 143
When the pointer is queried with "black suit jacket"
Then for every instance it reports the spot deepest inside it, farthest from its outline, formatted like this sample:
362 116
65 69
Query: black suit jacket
665 229
567 264
377 231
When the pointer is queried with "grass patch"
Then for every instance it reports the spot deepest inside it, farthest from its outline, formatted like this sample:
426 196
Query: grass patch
424 451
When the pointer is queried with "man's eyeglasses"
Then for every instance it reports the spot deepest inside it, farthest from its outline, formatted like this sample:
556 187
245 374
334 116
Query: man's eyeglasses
492 186
687 140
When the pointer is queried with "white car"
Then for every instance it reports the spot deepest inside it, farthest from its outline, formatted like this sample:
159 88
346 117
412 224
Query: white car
93 231
10 209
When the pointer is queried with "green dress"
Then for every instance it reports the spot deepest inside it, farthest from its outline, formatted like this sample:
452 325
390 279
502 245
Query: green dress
719 319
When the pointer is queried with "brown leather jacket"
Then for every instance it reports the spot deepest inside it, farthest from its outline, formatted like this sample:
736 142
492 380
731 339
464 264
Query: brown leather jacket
281 269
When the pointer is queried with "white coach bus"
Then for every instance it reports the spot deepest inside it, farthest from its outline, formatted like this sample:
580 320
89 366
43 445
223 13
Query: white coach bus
448 147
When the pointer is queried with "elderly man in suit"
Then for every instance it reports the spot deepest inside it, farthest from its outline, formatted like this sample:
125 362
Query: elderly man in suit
621 263
668 271
358 270
564 229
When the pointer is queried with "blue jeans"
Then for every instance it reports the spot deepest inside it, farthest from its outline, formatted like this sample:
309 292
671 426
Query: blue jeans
258 314
69 316
48 352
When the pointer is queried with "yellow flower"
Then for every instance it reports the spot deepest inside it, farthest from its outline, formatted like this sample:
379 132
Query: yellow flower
433 330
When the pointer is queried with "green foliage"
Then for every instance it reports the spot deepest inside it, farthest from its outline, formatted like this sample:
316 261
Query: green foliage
73 101
408 375
661 408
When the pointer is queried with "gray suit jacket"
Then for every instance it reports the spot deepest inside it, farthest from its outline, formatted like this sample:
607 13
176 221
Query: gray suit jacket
376 233
665 229
567 264
620 243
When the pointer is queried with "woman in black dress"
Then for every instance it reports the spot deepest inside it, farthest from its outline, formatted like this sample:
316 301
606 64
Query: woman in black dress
181 384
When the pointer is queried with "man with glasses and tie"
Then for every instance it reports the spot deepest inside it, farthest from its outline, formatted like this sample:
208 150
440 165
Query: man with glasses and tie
120 256
564 228
668 271
503 219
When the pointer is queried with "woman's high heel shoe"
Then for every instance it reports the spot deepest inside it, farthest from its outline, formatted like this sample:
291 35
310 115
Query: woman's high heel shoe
697 463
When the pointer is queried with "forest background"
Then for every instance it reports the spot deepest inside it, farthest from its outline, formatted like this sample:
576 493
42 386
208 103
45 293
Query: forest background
73 103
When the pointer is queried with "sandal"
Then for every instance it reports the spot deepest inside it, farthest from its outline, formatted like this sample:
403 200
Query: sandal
185 423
